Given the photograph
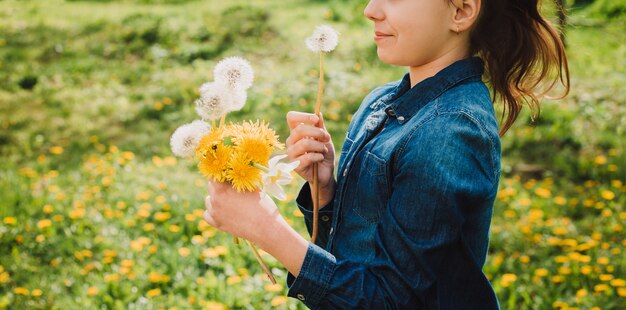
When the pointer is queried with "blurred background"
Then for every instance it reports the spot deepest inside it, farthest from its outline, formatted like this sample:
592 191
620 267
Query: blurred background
96 213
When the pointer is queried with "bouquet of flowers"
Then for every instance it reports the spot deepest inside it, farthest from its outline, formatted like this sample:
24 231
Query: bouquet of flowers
235 153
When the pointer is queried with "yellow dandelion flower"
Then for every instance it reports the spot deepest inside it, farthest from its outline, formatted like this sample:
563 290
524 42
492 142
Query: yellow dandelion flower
524 202
214 155
112 278
37 292
233 280
242 174
621 292
92 291
558 279
581 293
543 192
273 288
560 200
278 300
586 270
600 160
618 282
507 279
541 272
606 277
153 293
148 227
45 223
608 195
162 216
603 260
9 220
600 287
298 213
56 150
214 305
174 228
21 291
221 250
47 209
210 253
184 252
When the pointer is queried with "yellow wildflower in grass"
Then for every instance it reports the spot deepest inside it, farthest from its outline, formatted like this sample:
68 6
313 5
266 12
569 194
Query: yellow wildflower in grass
214 305
600 287
565 270
162 216
40 238
278 300
256 140
621 292
560 200
557 279
606 277
233 280
36 292
47 209
43 224
4 277
174 228
198 239
607 195
9 220
92 291
600 160
273 288
184 252
543 192
21 291
541 272
148 227
581 293
113 277
618 283
209 253
524 259
507 279
586 270
56 150
153 293
559 231
524 202
603 260
243 176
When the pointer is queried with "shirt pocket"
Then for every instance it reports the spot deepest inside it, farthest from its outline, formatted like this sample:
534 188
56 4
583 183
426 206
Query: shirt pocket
372 191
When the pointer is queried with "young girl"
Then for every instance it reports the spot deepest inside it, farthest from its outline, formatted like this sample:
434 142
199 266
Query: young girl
406 222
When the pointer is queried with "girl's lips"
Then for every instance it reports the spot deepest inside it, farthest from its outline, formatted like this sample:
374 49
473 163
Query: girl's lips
379 36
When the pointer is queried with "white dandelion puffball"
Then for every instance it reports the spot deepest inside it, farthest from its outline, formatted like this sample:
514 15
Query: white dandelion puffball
214 100
237 100
324 39
235 72
186 138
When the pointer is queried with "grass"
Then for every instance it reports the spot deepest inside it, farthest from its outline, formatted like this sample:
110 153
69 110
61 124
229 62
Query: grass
95 212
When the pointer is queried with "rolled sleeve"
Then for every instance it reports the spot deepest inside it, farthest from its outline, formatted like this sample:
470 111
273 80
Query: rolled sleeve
311 284
305 204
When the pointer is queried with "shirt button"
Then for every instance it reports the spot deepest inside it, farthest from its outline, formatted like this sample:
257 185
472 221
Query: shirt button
390 112
300 296
325 218
400 118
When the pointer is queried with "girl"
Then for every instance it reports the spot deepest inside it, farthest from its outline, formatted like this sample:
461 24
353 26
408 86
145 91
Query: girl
406 222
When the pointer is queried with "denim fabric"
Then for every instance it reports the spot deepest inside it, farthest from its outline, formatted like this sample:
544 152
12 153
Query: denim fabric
408 227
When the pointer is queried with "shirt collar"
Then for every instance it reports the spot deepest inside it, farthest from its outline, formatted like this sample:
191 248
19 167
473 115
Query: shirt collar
406 100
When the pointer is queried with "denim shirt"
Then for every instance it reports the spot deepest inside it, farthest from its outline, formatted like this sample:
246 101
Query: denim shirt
408 227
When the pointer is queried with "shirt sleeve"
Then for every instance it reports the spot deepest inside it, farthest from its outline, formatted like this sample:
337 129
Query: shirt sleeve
305 204
422 260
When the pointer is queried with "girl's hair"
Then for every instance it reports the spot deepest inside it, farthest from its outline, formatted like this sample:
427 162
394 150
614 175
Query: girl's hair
524 55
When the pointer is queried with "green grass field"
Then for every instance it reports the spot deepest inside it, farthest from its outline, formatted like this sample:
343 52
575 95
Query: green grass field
96 213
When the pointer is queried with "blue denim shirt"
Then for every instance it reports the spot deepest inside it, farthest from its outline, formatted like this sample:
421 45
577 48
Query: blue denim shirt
408 227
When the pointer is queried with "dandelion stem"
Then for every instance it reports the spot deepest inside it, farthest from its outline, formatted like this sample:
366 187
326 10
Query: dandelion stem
261 167
316 185
213 124
223 120
258 257
236 240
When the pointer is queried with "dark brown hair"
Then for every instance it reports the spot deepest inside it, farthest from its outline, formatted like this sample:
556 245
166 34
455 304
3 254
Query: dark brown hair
523 54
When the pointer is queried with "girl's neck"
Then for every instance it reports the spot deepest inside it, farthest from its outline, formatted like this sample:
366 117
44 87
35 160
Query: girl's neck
424 71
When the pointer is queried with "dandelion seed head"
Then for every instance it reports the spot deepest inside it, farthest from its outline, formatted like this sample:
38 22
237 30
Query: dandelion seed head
213 101
187 137
237 100
324 39
235 72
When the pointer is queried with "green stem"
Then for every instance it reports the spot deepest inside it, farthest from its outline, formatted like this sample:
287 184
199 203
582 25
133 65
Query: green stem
261 167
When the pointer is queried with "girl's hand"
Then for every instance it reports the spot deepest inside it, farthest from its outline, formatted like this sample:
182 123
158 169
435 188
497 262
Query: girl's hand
249 215
310 143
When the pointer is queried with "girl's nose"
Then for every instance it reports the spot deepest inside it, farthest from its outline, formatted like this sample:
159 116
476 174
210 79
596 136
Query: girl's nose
373 11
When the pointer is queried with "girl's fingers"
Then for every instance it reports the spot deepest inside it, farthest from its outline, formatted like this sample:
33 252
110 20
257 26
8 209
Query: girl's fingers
295 118
309 159
305 146
306 131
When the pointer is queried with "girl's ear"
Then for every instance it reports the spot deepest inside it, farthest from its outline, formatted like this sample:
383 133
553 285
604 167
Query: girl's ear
465 14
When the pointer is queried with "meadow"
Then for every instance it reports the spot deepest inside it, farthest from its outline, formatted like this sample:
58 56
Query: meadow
96 213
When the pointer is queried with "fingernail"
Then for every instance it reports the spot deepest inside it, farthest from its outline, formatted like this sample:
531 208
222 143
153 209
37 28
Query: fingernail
313 118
